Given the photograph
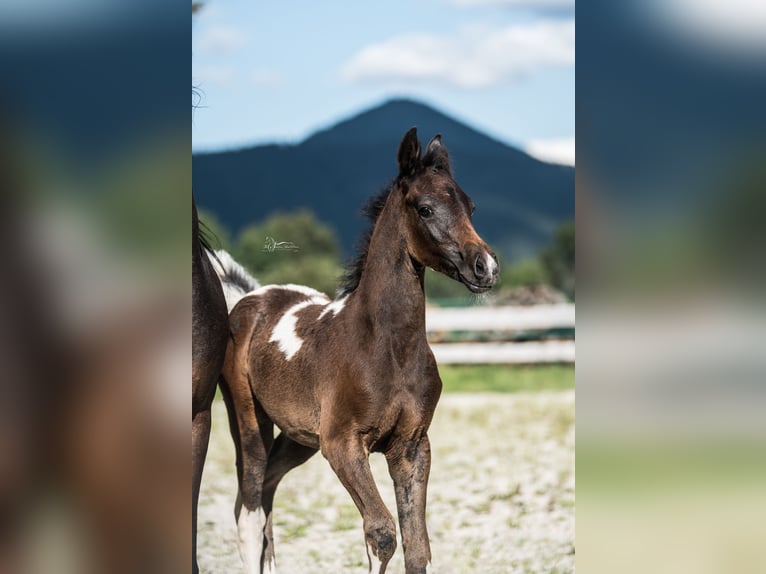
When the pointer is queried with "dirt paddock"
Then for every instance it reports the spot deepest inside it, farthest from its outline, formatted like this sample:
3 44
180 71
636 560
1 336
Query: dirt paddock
501 495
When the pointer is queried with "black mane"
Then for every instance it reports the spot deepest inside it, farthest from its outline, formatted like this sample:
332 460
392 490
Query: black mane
355 266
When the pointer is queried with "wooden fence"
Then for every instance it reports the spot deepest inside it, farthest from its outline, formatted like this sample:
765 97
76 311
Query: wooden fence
502 335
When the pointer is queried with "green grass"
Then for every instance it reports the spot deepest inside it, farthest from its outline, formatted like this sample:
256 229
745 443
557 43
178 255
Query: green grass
505 378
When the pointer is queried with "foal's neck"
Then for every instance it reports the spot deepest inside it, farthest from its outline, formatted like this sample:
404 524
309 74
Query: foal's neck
391 287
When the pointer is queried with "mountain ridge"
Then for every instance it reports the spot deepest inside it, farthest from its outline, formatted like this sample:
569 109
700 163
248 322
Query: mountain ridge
520 199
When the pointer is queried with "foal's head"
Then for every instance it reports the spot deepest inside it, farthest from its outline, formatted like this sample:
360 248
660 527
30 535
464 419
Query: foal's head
437 223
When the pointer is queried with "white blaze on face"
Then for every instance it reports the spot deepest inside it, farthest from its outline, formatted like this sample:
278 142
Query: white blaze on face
250 526
284 333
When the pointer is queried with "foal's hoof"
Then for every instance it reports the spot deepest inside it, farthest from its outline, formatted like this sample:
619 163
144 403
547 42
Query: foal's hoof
381 544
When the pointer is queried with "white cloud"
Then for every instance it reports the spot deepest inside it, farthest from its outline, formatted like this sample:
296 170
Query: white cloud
222 40
477 57
558 150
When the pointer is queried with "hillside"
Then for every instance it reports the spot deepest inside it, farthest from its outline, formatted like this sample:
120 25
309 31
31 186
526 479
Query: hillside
519 199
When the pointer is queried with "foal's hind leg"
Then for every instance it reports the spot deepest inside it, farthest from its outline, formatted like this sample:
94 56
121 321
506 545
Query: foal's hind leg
409 463
284 456
252 432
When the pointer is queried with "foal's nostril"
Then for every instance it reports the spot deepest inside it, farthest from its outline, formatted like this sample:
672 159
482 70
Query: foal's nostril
479 268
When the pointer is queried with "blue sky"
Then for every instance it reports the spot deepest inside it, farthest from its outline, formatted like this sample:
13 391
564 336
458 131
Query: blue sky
272 71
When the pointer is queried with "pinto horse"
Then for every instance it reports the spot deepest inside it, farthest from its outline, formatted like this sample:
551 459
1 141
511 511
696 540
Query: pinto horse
210 331
354 375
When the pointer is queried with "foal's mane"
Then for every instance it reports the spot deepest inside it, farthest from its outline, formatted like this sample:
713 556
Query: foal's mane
435 158
355 266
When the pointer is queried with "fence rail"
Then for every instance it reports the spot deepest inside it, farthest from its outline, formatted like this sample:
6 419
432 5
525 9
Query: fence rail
505 320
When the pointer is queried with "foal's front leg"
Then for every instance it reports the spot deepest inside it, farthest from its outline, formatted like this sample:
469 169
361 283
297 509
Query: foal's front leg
409 463
349 458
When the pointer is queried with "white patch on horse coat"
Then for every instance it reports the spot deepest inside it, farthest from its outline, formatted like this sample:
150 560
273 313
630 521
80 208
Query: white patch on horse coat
250 525
375 563
336 307
308 291
284 331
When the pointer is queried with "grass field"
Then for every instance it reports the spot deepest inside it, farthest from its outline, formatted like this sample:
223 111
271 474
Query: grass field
506 379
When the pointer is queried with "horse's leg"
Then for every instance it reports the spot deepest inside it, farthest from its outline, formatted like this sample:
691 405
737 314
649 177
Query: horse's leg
349 458
284 456
252 433
200 437
409 463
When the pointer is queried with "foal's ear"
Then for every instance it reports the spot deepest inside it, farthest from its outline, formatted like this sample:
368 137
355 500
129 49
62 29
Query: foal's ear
435 145
409 153
436 154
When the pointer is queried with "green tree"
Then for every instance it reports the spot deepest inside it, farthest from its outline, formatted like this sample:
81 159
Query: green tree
525 273
558 259
291 248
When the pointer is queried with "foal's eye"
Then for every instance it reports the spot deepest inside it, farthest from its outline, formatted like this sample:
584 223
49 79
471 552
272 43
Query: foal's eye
425 211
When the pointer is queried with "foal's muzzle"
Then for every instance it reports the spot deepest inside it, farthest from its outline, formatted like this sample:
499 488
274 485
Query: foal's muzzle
480 269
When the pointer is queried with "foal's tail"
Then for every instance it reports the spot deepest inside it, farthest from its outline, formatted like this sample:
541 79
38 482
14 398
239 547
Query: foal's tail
235 279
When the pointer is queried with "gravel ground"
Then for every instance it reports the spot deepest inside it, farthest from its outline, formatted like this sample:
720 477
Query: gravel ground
501 495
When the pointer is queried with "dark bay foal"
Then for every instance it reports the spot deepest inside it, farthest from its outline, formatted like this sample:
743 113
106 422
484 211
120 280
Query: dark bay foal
354 375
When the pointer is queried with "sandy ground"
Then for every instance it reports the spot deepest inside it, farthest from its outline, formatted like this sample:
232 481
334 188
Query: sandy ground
501 495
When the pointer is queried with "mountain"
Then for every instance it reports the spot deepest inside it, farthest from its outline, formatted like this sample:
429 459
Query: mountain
519 199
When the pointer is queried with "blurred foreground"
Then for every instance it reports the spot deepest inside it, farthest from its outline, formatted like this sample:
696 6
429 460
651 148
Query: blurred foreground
671 385
95 176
